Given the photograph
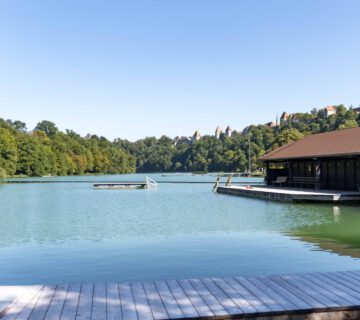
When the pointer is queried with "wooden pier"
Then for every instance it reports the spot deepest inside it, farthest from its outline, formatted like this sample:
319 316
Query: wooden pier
149 183
329 295
120 185
288 194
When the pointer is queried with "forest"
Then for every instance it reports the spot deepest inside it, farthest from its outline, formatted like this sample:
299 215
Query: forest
48 151
45 150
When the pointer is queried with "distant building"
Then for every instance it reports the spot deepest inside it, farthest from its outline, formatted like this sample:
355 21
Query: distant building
294 118
218 132
357 110
182 140
271 124
236 133
285 117
228 131
196 136
329 111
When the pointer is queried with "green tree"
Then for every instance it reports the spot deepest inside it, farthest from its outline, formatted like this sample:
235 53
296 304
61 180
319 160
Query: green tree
347 124
8 152
48 127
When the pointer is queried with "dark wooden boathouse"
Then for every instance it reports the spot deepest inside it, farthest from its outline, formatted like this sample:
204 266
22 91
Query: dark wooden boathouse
328 160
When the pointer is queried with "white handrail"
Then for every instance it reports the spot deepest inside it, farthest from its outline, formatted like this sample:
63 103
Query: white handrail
150 183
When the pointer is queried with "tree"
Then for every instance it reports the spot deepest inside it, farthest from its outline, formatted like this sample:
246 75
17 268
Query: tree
289 135
18 125
48 127
347 124
8 152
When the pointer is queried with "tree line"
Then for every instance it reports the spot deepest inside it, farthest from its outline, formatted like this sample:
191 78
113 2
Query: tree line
231 154
46 150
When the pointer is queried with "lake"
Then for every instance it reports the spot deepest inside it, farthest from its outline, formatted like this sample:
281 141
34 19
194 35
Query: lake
69 232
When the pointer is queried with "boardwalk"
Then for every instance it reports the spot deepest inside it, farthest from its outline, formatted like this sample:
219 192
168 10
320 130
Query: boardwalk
331 295
289 194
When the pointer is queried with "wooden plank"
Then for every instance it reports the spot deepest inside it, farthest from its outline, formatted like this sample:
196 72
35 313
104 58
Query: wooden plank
270 302
57 302
141 302
342 284
297 292
43 303
289 295
354 276
215 306
323 288
182 300
221 296
351 279
310 289
71 302
98 310
128 309
168 300
113 308
239 300
270 290
355 273
29 309
85 302
199 304
156 305
22 302
8 295
259 305
334 291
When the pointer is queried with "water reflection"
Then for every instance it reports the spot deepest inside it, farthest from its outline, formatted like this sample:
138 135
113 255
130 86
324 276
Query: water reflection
71 232
340 235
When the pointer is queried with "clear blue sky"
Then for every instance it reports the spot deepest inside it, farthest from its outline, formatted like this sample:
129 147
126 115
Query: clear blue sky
145 68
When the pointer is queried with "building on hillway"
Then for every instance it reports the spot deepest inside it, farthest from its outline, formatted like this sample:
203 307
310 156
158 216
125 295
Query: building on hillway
294 118
228 131
357 110
218 132
196 136
271 124
236 133
329 111
284 117
182 140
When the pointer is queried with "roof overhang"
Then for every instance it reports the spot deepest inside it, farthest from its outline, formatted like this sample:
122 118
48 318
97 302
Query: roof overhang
313 157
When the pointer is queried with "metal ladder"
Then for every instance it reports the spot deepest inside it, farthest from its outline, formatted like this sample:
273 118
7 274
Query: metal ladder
150 183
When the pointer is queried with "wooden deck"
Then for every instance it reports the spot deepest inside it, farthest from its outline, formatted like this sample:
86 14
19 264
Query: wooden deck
331 295
291 194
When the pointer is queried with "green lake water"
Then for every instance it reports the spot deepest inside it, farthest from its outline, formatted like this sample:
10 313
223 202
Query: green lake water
69 232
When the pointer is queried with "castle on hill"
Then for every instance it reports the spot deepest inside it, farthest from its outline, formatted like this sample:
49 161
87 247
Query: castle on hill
218 133
285 119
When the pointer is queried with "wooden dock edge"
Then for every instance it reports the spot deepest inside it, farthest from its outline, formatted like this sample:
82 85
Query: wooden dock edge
322 315
251 193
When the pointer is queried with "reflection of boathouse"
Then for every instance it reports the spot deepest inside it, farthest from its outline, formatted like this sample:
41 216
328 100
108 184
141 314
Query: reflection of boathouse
328 160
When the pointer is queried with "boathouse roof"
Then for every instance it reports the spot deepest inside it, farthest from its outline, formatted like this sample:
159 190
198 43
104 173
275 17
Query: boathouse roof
329 144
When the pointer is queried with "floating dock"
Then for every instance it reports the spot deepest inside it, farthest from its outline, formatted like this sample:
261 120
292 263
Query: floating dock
315 296
121 185
291 194
149 183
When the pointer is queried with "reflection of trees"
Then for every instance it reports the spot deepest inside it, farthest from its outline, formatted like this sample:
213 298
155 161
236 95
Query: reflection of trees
342 236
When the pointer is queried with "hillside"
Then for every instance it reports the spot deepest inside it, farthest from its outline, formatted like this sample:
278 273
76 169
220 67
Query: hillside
46 150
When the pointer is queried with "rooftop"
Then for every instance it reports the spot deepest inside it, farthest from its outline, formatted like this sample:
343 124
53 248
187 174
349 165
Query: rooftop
334 143
330 108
